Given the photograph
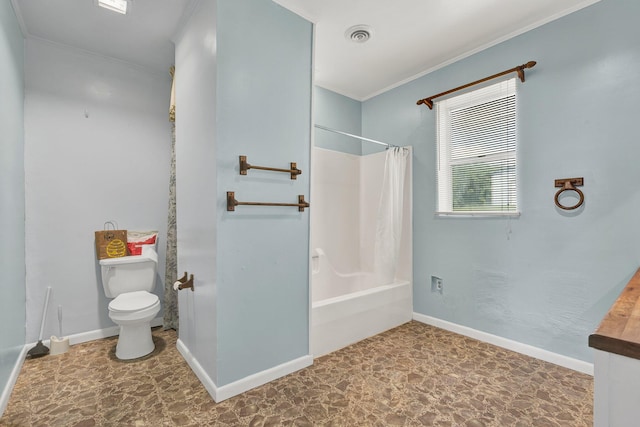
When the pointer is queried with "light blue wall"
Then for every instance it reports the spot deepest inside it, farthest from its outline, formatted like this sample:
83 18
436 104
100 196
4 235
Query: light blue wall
197 201
338 112
550 280
263 112
12 265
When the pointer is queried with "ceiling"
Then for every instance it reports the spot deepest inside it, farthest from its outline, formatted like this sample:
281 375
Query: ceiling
142 36
409 38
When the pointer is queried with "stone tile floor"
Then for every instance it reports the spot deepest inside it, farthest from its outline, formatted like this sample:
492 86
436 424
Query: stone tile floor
413 375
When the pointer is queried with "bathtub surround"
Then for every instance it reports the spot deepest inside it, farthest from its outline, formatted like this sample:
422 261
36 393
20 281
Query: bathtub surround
360 230
243 87
350 299
344 224
352 317
12 240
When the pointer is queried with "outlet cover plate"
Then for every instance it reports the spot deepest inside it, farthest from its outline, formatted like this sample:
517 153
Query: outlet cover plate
436 284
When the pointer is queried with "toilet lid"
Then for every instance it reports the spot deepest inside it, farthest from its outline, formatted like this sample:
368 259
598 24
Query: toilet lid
133 301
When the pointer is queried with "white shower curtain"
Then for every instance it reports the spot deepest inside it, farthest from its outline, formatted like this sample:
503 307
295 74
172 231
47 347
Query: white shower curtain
389 221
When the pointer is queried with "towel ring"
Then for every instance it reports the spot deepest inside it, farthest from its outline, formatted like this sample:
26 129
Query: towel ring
569 184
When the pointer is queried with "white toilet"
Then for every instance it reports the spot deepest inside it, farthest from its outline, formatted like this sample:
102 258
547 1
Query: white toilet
130 280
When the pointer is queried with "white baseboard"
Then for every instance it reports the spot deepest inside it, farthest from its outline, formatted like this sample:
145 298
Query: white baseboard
13 377
518 347
197 369
263 377
97 334
245 384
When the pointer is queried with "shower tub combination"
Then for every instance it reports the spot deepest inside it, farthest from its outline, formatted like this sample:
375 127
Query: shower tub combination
349 307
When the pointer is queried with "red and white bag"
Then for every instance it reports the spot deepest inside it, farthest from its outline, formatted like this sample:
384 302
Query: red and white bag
137 239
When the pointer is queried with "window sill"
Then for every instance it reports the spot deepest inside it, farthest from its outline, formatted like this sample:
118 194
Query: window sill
477 214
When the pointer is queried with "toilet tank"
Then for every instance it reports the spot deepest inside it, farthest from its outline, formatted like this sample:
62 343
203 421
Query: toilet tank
129 274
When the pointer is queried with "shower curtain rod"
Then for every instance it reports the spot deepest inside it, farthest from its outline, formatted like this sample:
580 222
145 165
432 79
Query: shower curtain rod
355 136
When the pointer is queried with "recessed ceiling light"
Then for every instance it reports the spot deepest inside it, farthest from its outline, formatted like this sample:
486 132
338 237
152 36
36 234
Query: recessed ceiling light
119 6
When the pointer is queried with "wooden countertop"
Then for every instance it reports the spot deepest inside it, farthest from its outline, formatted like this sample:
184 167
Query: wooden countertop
619 331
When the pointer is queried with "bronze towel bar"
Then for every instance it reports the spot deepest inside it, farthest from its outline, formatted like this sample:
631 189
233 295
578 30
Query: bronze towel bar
244 167
232 203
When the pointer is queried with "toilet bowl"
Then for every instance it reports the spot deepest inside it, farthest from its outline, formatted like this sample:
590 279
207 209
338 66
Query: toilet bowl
129 281
133 312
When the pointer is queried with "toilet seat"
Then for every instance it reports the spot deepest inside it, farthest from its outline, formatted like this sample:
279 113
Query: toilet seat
133 302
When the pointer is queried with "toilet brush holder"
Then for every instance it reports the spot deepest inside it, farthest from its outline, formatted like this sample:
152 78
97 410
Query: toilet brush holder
59 345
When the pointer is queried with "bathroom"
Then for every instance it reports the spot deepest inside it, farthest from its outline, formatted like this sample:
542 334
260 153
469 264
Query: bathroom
101 151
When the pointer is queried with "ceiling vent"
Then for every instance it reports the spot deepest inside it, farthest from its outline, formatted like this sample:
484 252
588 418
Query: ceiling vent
358 33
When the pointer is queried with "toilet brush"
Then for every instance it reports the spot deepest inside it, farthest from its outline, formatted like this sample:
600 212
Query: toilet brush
59 344
41 349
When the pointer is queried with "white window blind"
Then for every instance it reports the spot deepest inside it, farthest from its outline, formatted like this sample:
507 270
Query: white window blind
476 137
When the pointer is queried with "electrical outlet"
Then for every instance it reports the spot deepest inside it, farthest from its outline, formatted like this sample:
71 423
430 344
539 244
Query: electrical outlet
436 284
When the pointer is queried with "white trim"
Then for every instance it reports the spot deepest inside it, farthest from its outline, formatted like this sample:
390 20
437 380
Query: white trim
263 377
13 377
197 369
476 214
245 384
97 334
518 347
312 179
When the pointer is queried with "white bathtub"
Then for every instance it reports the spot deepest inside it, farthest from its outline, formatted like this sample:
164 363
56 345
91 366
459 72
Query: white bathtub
348 308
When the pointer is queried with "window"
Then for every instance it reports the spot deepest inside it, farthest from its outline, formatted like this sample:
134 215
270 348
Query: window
476 137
